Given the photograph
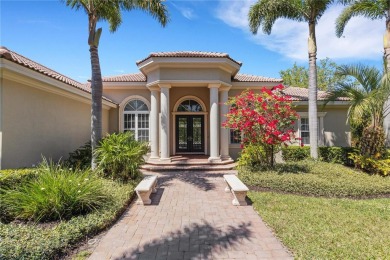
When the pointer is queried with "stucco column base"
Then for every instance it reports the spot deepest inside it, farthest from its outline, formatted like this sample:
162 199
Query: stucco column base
214 159
165 160
226 158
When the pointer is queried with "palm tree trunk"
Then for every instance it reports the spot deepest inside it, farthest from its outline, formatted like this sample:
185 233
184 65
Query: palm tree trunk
313 120
386 41
97 93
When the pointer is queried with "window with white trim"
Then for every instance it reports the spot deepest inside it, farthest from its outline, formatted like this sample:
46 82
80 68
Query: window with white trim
136 119
235 136
305 131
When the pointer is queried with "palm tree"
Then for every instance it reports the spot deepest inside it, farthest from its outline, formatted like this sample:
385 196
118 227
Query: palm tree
110 11
368 99
264 13
370 9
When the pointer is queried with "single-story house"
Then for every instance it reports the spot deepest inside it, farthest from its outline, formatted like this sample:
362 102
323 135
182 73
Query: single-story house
176 102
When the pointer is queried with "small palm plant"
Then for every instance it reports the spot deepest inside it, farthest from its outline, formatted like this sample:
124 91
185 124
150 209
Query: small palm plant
368 99
120 155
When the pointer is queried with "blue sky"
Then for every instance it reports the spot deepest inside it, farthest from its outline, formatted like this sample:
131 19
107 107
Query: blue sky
56 36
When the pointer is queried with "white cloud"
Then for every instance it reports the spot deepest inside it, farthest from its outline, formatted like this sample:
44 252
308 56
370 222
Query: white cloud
185 11
362 37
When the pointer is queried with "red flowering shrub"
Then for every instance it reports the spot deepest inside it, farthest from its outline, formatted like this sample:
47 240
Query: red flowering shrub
266 119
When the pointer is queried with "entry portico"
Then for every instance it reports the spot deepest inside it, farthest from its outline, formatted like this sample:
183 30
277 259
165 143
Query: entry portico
188 95
185 95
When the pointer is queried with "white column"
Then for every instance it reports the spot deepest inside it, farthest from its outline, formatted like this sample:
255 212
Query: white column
154 122
224 132
214 123
164 135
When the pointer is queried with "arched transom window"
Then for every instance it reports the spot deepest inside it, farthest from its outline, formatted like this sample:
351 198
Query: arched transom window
189 106
136 119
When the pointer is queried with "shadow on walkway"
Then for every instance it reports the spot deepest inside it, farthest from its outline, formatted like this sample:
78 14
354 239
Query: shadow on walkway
197 179
194 242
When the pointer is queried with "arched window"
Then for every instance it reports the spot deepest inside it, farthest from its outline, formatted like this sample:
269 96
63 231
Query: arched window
136 119
189 106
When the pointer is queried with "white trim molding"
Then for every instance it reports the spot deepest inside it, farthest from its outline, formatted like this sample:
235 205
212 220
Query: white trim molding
321 116
122 107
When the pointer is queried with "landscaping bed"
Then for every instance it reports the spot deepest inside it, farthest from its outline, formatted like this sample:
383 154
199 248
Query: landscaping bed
325 228
322 179
50 240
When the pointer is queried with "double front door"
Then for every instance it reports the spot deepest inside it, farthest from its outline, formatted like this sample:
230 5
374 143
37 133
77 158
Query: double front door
189 133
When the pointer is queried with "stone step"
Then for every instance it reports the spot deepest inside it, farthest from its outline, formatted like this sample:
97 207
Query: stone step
187 162
188 167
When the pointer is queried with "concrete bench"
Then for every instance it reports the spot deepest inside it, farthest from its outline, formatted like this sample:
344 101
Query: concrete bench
238 189
145 188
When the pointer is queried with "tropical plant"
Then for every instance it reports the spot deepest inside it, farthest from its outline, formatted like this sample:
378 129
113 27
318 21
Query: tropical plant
264 13
119 156
367 99
377 9
81 157
56 193
110 11
265 120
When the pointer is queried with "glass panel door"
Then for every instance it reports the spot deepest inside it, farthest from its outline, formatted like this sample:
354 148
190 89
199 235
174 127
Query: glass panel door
189 133
182 133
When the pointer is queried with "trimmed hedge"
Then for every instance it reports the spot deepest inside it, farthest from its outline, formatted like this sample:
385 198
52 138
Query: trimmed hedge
25 241
325 153
14 177
318 179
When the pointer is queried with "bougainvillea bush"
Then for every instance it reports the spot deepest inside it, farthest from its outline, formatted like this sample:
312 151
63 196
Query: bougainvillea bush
265 118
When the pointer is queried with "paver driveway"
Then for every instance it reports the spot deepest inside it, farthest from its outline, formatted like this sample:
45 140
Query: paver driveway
191 217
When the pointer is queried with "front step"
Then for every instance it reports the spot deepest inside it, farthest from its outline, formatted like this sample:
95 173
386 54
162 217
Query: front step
188 167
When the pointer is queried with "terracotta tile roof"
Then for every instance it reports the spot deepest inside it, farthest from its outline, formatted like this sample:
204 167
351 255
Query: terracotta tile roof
302 94
189 54
252 78
134 77
21 60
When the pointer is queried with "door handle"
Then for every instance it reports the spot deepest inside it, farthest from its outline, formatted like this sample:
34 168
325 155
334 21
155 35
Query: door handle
189 138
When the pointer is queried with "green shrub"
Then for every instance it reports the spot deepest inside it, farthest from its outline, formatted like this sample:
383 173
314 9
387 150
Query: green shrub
295 153
371 165
253 157
335 154
81 158
120 155
12 178
317 178
55 194
325 153
21 241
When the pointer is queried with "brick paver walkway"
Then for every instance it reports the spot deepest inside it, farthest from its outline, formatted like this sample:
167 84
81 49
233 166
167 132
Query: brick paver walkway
191 217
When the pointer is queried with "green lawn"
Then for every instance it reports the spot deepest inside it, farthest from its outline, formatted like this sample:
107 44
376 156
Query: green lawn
318 179
324 228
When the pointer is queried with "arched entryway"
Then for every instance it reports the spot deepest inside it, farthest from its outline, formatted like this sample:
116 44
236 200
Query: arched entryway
190 126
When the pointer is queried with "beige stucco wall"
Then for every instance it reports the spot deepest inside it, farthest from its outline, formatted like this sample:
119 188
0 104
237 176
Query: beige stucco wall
185 74
336 130
36 122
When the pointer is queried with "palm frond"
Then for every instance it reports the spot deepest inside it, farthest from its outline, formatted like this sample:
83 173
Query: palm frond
264 13
367 8
369 78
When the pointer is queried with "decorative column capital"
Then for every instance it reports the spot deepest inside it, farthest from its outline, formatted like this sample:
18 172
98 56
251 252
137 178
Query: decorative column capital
153 88
224 88
214 85
164 85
